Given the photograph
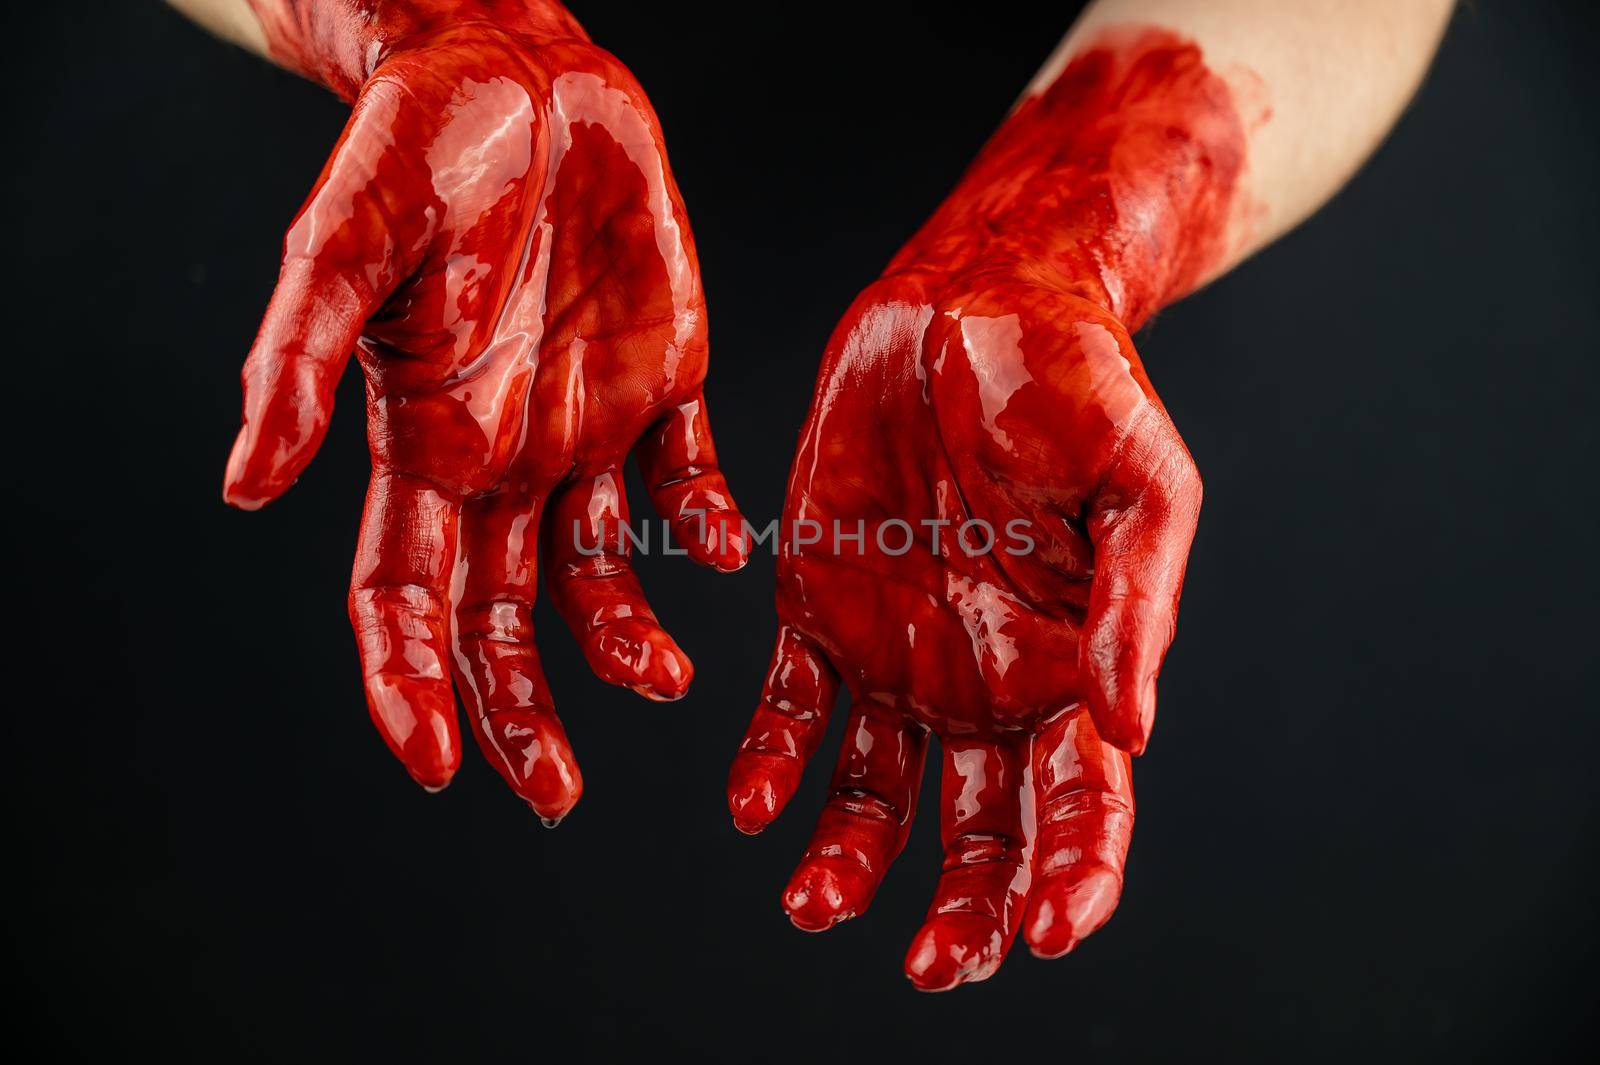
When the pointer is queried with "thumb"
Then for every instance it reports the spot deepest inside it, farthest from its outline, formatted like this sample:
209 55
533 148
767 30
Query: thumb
341 261
1141 523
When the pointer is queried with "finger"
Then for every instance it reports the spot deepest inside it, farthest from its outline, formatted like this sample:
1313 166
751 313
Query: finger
864 824
978 903
497 664
342 257
594 587
1084 796
1141 522
789 723
679 464
399 605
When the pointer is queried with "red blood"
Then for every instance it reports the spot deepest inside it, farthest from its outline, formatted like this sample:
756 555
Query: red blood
988 376
498 238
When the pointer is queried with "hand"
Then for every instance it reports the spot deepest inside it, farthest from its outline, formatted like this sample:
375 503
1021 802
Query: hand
988 519
1025 411
498 237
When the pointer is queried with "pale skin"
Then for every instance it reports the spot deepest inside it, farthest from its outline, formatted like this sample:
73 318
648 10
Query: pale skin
232 20
1319 82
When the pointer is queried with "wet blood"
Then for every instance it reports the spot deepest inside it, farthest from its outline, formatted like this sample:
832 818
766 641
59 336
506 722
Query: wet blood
498 238
988 378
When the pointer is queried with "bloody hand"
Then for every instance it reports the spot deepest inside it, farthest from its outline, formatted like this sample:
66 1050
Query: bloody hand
498 237
998 512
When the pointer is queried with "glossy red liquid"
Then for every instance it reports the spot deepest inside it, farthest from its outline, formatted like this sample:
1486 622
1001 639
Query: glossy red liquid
989 375
498 238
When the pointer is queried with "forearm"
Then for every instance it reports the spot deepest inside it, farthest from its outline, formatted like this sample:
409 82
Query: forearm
1167 140
338 43
232 20
1318 83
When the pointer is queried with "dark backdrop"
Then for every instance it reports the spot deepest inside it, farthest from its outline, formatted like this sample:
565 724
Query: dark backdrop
1365 825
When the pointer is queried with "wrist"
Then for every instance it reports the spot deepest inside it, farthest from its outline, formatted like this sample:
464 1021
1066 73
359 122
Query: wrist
339 43
1119 182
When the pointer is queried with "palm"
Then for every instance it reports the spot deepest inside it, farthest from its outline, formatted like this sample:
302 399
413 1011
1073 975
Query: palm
1014 421
557 262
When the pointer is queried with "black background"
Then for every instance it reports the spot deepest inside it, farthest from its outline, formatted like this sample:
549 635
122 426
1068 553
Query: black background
1365 823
